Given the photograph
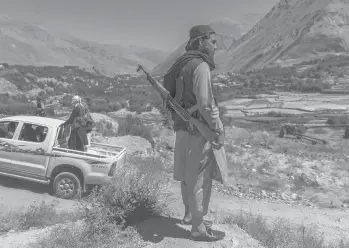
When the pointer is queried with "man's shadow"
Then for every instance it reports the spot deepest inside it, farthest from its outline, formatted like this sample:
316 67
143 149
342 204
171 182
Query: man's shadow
156 228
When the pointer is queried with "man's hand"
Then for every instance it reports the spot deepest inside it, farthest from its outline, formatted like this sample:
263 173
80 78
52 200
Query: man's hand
219 141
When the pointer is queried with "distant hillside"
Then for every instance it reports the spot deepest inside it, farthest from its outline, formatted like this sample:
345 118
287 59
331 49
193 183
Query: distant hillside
21 84
28 44
293 31
228 31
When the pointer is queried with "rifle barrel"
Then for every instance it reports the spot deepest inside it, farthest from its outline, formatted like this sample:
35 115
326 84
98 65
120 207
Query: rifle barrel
166 96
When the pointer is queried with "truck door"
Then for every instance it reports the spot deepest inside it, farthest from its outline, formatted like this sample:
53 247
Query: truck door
31 157
8 131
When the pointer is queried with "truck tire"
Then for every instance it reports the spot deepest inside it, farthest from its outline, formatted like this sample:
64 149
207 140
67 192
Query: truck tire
66 185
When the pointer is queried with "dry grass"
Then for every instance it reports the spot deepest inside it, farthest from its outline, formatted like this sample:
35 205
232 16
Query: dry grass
36 215
133 125
77 237
338 120
110 214
266 162
280 234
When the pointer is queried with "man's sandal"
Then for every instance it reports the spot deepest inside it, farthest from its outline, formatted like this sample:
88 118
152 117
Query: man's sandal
186 220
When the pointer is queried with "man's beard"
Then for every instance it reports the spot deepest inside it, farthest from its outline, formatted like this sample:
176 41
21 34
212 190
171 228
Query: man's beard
208 53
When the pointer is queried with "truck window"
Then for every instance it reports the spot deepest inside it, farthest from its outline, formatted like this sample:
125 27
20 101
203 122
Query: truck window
62 137
8 129
33 133
63 133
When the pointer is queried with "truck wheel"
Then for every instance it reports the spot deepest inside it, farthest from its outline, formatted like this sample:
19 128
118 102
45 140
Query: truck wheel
66 185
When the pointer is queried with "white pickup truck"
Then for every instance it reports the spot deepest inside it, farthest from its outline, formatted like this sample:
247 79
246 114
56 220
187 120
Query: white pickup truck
34 148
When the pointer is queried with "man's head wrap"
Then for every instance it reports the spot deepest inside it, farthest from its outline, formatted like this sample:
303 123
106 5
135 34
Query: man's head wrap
198 32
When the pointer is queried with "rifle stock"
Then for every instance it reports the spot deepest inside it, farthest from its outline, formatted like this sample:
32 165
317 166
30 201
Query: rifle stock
206 131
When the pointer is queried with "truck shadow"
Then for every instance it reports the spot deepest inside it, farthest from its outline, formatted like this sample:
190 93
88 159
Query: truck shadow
15 183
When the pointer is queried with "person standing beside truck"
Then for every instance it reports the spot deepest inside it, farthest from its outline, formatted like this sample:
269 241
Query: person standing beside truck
78 137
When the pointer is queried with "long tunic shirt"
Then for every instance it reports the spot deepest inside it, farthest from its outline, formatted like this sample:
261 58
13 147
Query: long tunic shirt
202 88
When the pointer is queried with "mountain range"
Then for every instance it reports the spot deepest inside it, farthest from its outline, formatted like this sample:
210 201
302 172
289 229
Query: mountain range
29 44
25 43
293 31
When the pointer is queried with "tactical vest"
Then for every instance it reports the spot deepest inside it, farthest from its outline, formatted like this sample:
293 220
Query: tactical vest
186 97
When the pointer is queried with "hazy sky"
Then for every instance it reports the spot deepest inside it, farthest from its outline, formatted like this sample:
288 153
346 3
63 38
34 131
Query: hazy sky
162 24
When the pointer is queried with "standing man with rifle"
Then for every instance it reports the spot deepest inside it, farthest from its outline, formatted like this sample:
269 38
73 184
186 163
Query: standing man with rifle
199 155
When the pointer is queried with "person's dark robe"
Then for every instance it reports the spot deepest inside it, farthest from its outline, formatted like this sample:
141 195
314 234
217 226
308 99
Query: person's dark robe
40 109
78 138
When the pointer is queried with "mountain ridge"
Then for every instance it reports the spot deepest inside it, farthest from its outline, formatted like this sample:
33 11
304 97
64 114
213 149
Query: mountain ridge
25 43
296 30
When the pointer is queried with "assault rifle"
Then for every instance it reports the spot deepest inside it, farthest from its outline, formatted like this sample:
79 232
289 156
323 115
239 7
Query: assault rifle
206 131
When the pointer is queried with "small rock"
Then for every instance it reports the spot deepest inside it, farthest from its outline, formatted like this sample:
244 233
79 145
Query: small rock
284 196
345 205
264 193
308 180
234 188
294 196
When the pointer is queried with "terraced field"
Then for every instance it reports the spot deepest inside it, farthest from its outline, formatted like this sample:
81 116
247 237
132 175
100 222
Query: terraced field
271 111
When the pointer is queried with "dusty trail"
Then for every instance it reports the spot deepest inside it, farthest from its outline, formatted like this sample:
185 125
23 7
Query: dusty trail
167 232
333 223
18 194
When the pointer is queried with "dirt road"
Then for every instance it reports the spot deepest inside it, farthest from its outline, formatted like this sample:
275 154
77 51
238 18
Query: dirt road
17 194
333 223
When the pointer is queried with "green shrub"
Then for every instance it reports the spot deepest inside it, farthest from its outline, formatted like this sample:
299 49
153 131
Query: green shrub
134 126
338 120
15 108
131 196
110 214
